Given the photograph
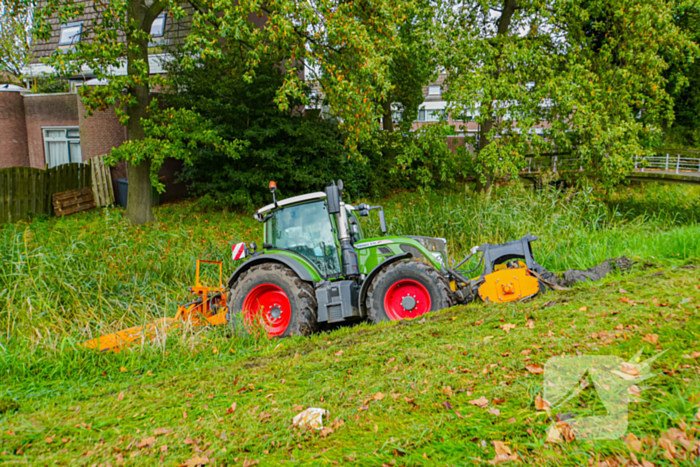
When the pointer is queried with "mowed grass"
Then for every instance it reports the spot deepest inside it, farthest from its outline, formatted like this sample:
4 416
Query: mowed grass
65 280
398 393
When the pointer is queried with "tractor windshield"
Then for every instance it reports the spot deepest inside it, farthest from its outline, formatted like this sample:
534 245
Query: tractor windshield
306 229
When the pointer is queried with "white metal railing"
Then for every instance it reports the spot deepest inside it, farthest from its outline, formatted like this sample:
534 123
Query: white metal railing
676 163
668 163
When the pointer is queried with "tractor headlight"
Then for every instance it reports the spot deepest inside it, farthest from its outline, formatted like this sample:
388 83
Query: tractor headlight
439 258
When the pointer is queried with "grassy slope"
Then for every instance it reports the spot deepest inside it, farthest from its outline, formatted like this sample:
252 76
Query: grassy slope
63 280
454 356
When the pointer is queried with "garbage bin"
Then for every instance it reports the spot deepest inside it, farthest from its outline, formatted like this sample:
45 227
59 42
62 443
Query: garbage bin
123 185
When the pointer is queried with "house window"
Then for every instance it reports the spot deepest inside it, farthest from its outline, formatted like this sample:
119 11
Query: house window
435 90
435 115
70 33
421 115
62 146
158 26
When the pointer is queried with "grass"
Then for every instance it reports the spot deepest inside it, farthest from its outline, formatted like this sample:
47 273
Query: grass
64 280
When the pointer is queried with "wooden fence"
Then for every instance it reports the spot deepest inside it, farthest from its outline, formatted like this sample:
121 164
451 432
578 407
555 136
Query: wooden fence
26 192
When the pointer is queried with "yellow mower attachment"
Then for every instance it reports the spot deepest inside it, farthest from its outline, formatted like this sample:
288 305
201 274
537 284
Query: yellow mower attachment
508 285
208 309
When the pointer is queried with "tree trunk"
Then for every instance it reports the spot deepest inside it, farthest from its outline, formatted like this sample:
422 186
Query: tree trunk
139 201
503 23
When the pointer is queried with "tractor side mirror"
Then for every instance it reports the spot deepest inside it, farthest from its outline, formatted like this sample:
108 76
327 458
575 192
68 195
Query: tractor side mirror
382 220
333 198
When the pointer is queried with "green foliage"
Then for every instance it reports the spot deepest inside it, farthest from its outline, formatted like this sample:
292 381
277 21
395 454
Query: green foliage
592 70
51 84
683 83
302 153
350 43
423 157
176 133
15 36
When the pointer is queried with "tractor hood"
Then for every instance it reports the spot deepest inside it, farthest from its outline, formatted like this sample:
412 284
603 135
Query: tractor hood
433 245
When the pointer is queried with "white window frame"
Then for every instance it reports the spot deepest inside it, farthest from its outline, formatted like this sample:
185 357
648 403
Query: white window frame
435 91
67 139
162 30
75 38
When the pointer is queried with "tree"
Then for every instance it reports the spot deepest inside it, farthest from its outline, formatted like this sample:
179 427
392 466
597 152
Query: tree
15 36
684 83
119 36
301 152
349 43
588 73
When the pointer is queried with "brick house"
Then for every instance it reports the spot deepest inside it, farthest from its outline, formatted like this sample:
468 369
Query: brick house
46 130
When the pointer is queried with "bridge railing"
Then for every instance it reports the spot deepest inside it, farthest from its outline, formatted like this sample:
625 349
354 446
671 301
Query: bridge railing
668 163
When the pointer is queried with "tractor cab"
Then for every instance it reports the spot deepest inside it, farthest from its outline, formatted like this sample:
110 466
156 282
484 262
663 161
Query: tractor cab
301 224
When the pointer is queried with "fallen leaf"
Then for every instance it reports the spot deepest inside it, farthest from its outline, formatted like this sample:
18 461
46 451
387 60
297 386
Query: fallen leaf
494 411
507 327
566 431
378 396
164 448
503 454
250 463
651 338
554 435
325 432
623 291
162 431
232 409
480 402
459 414
197 461
338 353
49 439
695 355
634 391
629 369
123 370
633 442
646 463
583 308
391 360
530 324
541 404
447 405
668 447
535 369
147 442
10 433
215 351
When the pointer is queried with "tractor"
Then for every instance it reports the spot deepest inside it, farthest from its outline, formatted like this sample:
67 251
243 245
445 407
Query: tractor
316 268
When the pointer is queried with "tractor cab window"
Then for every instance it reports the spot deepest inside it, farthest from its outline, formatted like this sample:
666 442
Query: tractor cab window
306 229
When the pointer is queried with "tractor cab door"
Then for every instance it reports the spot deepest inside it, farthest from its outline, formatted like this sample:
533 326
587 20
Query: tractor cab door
306 229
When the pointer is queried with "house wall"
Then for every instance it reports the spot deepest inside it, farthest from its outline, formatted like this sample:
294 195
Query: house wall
42 110
13 131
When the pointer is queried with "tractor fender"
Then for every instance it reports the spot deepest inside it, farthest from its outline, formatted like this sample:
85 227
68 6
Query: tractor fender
298 269
368 280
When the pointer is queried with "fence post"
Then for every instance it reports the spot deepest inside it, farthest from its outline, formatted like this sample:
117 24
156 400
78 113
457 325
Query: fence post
554 160
529 165
635 162
666 162
678 162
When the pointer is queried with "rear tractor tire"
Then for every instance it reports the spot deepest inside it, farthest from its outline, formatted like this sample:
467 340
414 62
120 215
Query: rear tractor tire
407 289
272 298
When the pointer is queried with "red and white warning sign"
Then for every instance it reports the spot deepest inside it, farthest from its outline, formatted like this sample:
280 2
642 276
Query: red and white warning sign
238 251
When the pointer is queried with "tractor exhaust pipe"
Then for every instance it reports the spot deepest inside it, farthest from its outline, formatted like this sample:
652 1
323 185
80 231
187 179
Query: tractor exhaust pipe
348 255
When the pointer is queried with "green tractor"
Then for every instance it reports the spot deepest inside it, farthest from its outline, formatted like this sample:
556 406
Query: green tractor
316 268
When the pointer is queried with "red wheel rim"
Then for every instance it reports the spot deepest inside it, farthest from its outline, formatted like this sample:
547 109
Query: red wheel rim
406 298
268 305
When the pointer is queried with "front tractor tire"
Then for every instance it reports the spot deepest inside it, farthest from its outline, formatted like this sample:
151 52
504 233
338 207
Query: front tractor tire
272 298
407 289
